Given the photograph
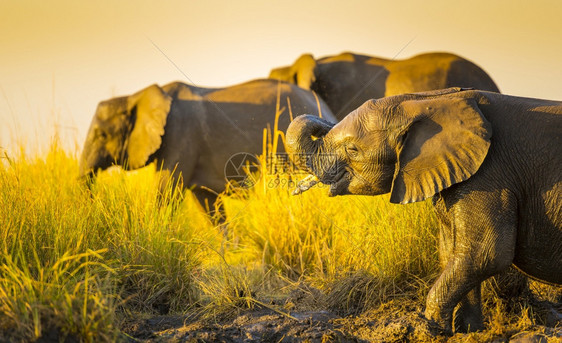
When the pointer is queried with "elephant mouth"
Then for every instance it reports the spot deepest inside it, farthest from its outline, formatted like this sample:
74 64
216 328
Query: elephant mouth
306 184
337 187
340 185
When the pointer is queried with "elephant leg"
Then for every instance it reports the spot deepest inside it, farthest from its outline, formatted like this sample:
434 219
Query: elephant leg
468 316
455 282
483 232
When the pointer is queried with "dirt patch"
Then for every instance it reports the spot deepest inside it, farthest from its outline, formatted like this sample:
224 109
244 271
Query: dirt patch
268 326
392 322
305 314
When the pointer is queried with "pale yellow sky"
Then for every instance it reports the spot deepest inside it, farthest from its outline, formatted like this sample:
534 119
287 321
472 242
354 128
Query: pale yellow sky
58 59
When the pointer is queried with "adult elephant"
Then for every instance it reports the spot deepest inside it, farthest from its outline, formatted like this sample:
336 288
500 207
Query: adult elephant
490 161
348 80
191 131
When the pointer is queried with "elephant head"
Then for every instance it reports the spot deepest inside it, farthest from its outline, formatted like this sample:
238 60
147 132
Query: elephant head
125 131
412 146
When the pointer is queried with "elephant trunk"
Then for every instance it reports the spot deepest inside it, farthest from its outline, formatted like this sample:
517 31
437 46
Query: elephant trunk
93 159
305 143
88 160
86 172
83 166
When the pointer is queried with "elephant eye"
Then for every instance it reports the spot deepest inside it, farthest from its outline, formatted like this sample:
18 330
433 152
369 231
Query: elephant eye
352 150
404 136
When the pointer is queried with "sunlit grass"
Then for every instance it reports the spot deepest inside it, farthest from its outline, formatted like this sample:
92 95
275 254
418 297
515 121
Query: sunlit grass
71 258
331 242
73 297
75 260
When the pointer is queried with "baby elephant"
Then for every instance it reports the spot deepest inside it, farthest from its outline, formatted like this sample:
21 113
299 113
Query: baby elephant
491 162
191 131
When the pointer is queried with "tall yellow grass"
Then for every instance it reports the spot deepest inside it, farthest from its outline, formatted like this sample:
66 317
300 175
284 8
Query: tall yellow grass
76 262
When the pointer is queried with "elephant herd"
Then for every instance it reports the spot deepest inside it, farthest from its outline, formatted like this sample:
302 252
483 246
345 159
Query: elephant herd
434 125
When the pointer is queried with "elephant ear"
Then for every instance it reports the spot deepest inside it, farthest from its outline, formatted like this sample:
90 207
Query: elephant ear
304 71
149 110
444 143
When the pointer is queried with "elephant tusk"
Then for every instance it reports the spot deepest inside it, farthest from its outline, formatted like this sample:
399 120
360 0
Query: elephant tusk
305 184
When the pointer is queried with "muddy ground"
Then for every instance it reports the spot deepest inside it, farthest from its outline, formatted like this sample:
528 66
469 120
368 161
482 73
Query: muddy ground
392 322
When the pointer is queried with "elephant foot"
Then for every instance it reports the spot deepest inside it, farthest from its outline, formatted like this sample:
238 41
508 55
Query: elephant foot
466 321
440 319
468 316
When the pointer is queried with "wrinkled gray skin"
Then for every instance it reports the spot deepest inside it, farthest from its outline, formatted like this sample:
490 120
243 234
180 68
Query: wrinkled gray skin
189 130
347 80
490 161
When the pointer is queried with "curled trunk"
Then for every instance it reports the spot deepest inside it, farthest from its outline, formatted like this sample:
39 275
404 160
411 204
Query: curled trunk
305 142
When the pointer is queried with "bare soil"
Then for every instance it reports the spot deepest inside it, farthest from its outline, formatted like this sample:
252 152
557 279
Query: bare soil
400 321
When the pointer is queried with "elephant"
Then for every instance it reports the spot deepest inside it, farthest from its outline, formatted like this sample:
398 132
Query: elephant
490 161
191 131
347 80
